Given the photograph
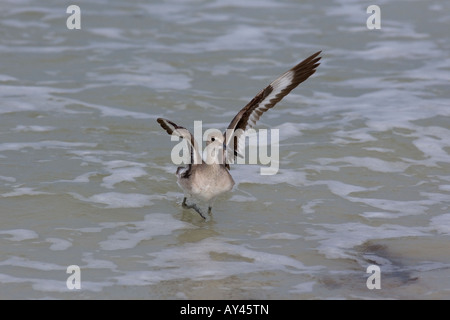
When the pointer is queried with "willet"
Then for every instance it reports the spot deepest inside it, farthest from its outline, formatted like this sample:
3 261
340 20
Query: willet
205 179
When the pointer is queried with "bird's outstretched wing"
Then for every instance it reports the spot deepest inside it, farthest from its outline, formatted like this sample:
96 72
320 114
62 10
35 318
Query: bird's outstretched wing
174 129
263 101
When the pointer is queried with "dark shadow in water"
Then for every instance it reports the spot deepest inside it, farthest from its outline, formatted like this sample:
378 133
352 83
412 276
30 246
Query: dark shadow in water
394 274
392 268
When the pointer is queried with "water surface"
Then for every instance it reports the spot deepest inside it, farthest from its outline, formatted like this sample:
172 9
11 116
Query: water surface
85 171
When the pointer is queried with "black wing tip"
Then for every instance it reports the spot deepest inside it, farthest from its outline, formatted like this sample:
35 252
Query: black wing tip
312 61
315 56
307 67
163 123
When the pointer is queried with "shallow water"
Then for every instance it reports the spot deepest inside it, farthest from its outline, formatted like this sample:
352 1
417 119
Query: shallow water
86 177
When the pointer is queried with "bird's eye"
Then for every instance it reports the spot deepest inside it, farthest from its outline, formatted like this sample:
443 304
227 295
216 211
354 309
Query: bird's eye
213 139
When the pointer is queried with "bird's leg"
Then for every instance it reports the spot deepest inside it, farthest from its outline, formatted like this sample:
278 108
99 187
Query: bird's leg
192 206
184 205
198 210
210 204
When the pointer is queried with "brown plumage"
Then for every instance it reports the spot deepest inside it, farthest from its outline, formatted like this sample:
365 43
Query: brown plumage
206 181
269 97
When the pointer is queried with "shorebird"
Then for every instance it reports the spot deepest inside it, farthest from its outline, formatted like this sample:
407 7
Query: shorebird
205 179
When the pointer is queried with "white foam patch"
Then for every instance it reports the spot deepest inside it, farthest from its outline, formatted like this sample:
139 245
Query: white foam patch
222 70
386 208
337 240
435 198
157 81
280 236
93 155
196 261
102 226
21 128
305 287
58 244
342 189
25 24
288 130
241 36
112 33
434 148
395 208
379 215
372 164
4 278
240 198
353 136
116 112
156 224
14 106
146 72
382 150
49 285
84 177
20 234
93 263
118 200
389 50
308 208
242 4
441 223
6 78
251 174
17 146
181 296
8 179
27 263
122 171
44 98
23 192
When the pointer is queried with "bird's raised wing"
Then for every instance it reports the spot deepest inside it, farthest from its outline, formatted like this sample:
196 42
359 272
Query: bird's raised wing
174 129
264 100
